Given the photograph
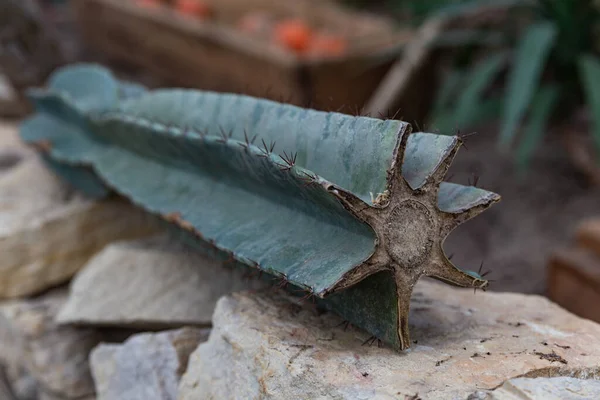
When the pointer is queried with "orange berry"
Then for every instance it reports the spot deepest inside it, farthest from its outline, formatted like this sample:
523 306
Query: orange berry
193 8
293 34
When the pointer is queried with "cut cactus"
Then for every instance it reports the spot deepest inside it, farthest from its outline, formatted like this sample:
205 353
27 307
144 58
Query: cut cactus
353 211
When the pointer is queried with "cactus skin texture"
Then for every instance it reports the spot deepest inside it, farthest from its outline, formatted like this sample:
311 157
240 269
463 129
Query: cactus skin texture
352 211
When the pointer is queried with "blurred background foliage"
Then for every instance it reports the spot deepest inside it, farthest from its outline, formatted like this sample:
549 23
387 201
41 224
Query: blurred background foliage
535 70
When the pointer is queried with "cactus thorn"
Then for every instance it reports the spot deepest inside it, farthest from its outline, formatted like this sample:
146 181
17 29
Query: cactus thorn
289 159
475 180
370 340
345 323
308 296
283 283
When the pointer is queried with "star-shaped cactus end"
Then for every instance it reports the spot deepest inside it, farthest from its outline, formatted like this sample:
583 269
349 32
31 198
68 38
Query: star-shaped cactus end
413 217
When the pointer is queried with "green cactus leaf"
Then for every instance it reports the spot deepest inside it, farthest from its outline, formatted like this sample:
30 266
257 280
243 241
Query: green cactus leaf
82 178
89 87
351 210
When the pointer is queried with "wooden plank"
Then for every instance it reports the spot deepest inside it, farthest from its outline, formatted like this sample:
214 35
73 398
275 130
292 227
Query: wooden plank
588 235
574 282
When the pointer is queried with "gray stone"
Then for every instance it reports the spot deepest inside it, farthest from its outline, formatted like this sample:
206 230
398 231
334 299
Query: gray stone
151 283
55 357
147 366
20 383
266 347
48 231
557 388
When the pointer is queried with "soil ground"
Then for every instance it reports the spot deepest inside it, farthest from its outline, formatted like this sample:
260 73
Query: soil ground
538 213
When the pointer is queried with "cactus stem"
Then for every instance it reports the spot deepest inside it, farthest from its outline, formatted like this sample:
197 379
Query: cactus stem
398 186
405 282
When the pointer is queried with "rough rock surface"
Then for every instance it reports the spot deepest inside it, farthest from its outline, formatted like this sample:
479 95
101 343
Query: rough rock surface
266 347
55 357
150 283
147 366
48 231
19 383
557 388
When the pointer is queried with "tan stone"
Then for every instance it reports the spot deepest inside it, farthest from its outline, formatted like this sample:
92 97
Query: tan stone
55 357
556 388
265 347
147 366
150 283
48 231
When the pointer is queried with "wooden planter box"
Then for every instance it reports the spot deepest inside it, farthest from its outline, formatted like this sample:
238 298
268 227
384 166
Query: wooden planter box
216 56
574 273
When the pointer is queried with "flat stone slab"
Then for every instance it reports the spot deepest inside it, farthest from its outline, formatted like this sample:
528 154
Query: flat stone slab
48 231
557 388
146 366
266 346
153 283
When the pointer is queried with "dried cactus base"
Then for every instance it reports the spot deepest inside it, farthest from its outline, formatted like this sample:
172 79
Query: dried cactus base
353 212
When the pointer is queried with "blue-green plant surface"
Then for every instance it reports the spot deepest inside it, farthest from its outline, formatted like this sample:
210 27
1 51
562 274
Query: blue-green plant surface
350 210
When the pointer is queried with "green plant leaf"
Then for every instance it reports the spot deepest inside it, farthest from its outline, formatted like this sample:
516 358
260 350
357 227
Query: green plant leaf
449 88
469 37
590 75
541 108
486 110
529 61
480 77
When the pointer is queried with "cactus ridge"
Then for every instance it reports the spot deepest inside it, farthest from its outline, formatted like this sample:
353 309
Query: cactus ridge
207 163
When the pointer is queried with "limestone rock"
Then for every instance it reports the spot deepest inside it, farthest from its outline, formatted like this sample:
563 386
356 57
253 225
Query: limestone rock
48 231
19 383
10 140
267 347
557 388
147 366
56 357
150 283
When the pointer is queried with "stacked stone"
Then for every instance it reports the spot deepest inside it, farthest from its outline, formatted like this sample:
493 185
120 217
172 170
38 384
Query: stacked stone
100 303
